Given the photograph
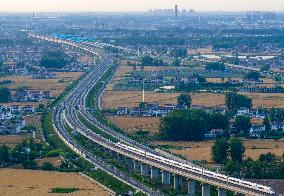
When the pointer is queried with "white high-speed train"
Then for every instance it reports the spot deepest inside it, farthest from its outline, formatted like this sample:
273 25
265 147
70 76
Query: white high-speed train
198 170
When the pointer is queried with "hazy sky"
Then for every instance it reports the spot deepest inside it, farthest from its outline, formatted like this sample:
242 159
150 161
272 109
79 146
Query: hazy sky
139 5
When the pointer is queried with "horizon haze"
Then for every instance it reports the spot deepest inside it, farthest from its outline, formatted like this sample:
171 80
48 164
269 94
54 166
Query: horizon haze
138 5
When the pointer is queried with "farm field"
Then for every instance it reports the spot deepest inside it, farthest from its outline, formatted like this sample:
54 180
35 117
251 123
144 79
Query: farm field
12 140
33 119
269 100
114 99
133 124
202 150
34 183
44 84
123 70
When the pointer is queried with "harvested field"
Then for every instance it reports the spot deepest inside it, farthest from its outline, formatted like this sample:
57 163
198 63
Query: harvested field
12 140
124 70
32 119
208 99
202 150
34 183
267 100
133 124
55 161
114 99
22 104
44 84
219 80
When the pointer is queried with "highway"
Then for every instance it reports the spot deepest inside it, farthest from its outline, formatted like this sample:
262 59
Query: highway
74 104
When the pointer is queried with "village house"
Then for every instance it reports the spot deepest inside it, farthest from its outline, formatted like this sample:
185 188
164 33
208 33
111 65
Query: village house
12 127
36 96
243 111
214 133
135 111
121 111
15 109
256 113
21 96
153 110
210 110
275 126
162 111
47 94
256 130
28 109
6 115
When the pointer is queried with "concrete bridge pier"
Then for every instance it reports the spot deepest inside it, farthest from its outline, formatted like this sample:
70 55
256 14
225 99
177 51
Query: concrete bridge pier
205 190
191 187
119 157
166 178
222 192
144 170
136 165
154 173
177 182
129 164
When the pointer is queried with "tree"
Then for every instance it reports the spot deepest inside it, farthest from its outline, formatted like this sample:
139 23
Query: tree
142 105
268 157
252 76
147 61
278 78
265 67
179 52
47 166
30 164
237 150
267 125
53 59
219 121
243 124
219 151
185 125
176 62
40 108
150 61
235 101
184 99
4 154
5 95
215 66
30 128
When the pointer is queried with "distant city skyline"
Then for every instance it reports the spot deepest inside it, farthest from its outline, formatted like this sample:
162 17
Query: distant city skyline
138 5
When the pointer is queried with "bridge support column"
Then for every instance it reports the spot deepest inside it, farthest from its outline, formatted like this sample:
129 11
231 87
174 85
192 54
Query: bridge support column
119 157
166 178
144 170
222 192
205 190
129 164
136 165
191 187
177 182
154 173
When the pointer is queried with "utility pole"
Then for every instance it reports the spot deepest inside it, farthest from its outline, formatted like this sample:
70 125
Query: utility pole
176 11
143 92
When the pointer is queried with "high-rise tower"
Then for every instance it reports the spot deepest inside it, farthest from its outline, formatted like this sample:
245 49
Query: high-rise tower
176 11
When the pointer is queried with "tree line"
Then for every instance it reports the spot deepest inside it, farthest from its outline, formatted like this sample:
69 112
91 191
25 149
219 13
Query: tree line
231 153
26 152
53 59
190 125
